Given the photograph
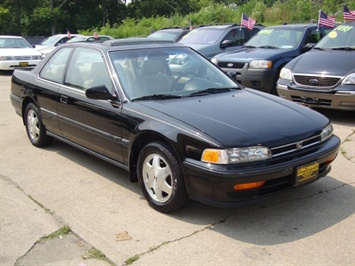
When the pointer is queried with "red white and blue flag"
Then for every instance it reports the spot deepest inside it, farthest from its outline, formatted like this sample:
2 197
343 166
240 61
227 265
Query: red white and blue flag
247 22
348 14
326 20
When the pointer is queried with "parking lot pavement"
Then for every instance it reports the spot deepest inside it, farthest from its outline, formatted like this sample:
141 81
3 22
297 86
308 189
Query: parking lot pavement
109 223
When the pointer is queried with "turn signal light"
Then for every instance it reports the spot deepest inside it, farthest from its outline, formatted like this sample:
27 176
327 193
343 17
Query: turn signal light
251 185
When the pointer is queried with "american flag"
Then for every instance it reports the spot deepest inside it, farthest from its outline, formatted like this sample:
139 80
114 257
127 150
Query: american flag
348 14
247 22
326 20
68 33
95 35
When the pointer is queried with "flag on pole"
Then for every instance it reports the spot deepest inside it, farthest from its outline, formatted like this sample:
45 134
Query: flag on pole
247 22
348 14
326 20
191 28
95 35
68 32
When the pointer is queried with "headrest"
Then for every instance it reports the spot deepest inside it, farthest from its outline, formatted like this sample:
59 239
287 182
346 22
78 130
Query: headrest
151 67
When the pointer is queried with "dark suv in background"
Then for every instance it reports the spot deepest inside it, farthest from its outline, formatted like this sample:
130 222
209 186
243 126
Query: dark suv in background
257 65
212 40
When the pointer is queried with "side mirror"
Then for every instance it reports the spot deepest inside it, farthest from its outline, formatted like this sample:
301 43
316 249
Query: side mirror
309 46
232 75
99 93
226 43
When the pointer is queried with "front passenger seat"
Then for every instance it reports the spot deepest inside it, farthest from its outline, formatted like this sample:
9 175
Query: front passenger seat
153 78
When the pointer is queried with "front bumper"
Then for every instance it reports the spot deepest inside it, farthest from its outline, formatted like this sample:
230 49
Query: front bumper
12 65
339 99
214 185
259 79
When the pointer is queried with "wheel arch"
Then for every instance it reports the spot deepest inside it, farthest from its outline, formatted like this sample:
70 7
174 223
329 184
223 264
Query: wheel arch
143 139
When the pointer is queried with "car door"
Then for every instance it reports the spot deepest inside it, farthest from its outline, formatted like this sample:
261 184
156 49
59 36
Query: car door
47 87
92 124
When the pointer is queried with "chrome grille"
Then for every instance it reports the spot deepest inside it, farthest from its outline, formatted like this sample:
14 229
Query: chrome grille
316 81
231 65
295 146
22 57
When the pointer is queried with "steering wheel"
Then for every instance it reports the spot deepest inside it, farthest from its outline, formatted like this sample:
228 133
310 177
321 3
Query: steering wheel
174 86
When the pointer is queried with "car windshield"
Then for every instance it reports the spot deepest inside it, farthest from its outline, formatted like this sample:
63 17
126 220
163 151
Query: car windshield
14 43
272 38
202 36
165 73
77 39
164 35
341 37
51 41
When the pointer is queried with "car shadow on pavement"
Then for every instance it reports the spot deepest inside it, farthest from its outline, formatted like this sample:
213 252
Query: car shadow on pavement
340 117
286 217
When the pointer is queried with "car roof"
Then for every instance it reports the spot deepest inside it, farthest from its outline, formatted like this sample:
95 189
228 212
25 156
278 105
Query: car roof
127 43
10 36
223 26
302 26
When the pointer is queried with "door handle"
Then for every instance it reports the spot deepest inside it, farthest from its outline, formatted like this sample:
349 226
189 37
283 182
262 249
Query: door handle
63 99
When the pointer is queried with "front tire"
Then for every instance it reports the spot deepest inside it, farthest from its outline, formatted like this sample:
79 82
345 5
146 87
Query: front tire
35 129
160 177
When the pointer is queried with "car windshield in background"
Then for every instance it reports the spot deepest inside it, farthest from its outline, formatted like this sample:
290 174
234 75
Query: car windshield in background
169 36
276 38
14 43
167 72
51 41
202 36
341 37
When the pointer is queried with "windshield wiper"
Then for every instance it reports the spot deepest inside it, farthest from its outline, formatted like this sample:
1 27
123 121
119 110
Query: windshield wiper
344 48
157 97
318 48
213 91
268 46
249 46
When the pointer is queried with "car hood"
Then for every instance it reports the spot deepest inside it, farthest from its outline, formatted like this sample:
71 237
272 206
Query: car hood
325 62
248 54
19 52
243 118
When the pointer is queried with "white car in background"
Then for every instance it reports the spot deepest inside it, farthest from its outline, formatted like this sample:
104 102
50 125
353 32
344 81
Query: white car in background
47 45
16 52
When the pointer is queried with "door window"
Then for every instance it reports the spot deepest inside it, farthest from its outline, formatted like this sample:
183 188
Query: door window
55 66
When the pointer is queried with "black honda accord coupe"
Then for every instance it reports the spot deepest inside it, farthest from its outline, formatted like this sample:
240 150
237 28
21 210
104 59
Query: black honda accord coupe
174 121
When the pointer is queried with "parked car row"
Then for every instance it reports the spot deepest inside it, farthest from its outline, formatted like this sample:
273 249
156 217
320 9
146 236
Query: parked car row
316 64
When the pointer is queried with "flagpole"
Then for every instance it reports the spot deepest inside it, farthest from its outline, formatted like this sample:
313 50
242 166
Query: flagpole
318 20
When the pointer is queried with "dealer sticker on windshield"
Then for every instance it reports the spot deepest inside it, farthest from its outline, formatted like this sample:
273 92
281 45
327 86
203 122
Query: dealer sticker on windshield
306 173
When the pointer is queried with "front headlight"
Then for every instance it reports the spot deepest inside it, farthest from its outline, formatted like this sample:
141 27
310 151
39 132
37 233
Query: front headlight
327 132
349 79
285 73
236 155
214 61
260 64
6 58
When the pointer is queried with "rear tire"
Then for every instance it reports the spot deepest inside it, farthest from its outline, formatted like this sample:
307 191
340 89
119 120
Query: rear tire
160 177
35 129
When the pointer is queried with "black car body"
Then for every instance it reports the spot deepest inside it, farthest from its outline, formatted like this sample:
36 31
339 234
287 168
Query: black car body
257 65
169 34
325 76
212 40
184 135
